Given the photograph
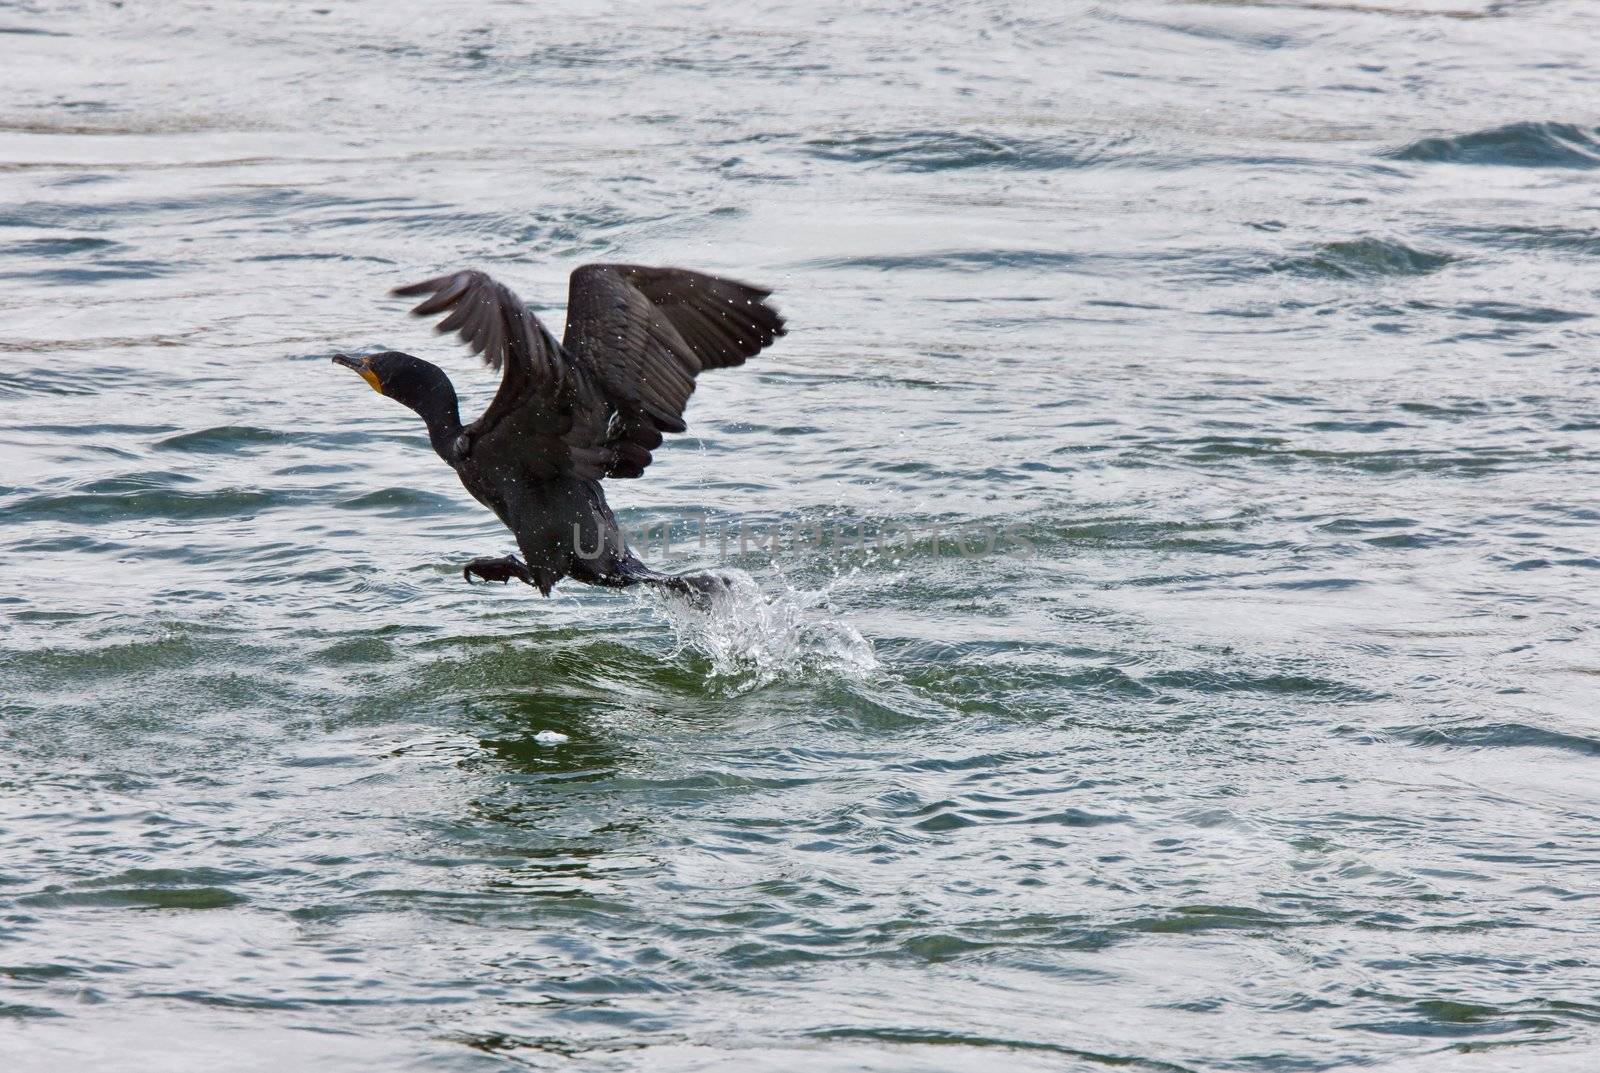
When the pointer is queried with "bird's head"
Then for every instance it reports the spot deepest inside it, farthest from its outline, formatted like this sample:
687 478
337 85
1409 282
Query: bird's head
419 384
399 376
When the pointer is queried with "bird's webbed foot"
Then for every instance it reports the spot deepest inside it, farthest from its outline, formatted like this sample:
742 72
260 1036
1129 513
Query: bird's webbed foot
502 570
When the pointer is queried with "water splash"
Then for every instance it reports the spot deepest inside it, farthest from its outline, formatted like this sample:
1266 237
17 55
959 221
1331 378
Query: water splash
753 639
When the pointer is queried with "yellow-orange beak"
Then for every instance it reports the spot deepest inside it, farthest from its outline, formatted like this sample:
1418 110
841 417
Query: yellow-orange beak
360 365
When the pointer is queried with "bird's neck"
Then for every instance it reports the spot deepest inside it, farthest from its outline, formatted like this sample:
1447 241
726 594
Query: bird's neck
441 413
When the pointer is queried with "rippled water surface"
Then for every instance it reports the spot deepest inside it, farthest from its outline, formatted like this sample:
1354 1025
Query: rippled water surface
1271 325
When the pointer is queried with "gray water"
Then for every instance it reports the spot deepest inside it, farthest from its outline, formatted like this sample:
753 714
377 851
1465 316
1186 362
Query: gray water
1271 325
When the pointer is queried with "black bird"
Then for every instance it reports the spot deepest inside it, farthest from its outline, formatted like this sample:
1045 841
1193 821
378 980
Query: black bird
570 414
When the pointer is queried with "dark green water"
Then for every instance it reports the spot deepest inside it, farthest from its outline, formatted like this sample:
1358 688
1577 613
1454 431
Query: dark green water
1270 325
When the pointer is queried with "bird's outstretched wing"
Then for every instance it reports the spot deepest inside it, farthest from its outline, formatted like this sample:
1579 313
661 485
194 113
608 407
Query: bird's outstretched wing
542 419
644 334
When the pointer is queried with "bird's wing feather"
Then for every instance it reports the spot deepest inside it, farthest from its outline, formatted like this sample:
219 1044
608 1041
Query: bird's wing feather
644 334
542 418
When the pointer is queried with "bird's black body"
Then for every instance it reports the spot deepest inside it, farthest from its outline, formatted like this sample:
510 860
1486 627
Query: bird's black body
571 414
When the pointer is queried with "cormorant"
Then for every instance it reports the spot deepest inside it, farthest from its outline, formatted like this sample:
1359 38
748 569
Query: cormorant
570 414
